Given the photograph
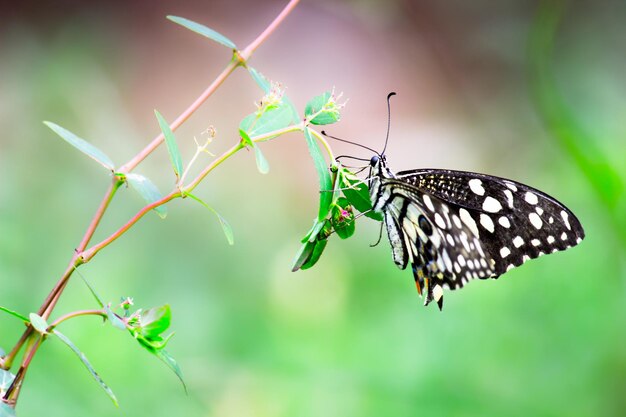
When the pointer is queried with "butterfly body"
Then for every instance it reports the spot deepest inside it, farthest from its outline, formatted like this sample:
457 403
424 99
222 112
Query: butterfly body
454 226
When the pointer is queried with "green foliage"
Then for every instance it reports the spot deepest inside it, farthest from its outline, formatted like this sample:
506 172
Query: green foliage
323 109
203 30
15 314
261 163
326 185
228 231
148 326
39 323
83 146
172 146
342 218
87 364
148 191
357 193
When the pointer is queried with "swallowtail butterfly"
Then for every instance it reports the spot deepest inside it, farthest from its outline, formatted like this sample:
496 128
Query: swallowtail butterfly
454 226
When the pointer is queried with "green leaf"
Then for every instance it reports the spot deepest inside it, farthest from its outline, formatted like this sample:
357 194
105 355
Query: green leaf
170 141
342 218
114 319
85 362
261 163
148 191
312 249
6 410
15 314
154 321
320 245
6 379
322 109
203 30
228 231
357 193
83 146
303 255
39 323
274 118
326 185
260 80
172 364
92 290
266 87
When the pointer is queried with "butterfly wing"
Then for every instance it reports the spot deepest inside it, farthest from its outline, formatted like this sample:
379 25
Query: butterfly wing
481 226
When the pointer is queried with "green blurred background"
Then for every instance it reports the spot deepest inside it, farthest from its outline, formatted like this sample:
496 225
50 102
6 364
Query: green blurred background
532 91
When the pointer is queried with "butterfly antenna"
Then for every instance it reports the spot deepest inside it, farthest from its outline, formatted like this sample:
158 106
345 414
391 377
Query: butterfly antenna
388 120
351 143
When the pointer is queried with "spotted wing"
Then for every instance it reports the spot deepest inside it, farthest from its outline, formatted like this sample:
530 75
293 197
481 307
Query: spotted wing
482 226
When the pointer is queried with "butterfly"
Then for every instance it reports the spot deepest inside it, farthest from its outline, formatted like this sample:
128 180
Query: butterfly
455 226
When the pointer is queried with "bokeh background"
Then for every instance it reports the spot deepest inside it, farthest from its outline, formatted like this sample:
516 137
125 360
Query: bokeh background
529 90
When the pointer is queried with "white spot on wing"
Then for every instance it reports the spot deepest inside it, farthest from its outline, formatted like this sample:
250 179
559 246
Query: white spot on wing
539 210
535 220
457 221
578 240
476 186
428 202
504 222
535 242
491 205
566 219
531 198
469 221
440 221
509 197
525 258
461 260
511 185
504 252
437 292
564 236
486 222
550 239
518 241
450 239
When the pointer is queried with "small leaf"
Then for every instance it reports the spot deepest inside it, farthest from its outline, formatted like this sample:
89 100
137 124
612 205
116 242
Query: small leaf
203 30
172 364
6 379
357 193
154 321
303 255
326 185
170 141
6 410
266 87
260 80
92 290
272 119
261 163
322 109
15 314
228 231
114 319
320 245
83 146
85 362
148 191
39 323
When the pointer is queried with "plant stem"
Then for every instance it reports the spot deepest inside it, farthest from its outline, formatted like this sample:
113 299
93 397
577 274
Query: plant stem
239 58
76 314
